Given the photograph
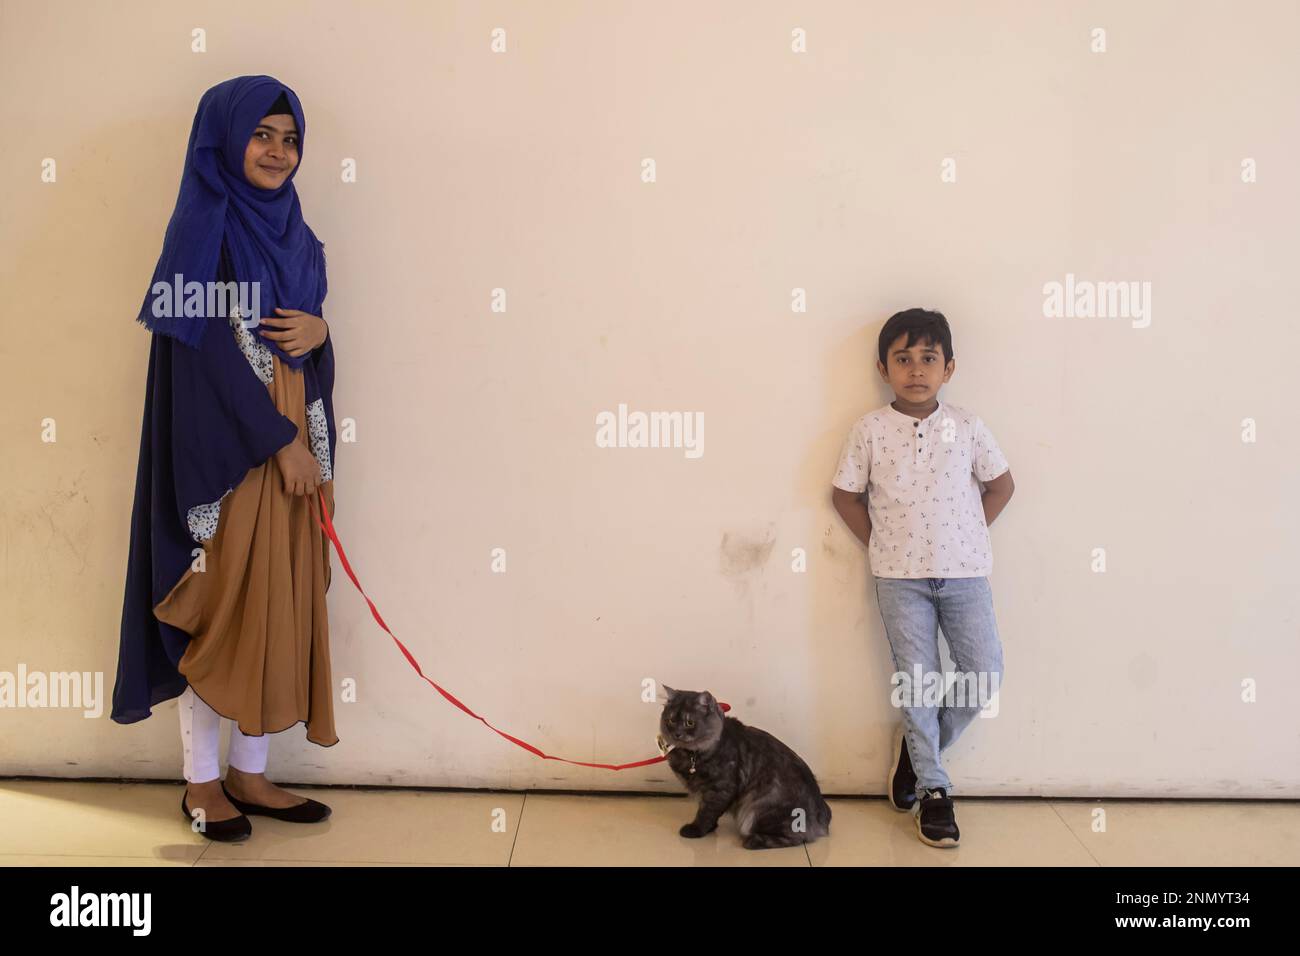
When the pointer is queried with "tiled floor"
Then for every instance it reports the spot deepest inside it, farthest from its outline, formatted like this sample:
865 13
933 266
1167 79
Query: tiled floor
94 824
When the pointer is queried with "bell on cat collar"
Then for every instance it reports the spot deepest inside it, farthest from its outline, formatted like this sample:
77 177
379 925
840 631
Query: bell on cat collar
659 739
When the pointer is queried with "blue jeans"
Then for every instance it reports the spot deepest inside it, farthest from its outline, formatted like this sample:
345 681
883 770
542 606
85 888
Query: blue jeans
914 609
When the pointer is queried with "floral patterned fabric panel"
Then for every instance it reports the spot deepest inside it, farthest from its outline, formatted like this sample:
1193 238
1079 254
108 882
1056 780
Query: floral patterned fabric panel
202 519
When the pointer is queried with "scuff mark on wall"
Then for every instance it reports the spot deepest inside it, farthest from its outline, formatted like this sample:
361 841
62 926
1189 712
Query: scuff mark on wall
743 552
61 521
740 555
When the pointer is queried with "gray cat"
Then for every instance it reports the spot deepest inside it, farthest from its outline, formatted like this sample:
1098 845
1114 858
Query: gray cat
731 766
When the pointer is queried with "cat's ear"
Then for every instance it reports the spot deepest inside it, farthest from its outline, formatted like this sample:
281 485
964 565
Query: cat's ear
710 704
671 693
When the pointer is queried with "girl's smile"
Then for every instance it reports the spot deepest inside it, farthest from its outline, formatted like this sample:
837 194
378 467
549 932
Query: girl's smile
272 151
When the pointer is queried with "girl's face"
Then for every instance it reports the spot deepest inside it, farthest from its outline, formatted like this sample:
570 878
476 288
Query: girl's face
272 151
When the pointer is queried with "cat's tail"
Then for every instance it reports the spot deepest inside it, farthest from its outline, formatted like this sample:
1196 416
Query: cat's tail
772 841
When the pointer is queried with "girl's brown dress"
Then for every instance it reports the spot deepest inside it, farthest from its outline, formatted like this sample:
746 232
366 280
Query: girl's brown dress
259 648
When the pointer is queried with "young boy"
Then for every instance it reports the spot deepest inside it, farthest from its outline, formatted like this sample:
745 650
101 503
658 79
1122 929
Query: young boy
920 462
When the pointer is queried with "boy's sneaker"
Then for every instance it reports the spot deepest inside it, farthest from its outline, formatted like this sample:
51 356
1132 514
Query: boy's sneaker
900 785
936 824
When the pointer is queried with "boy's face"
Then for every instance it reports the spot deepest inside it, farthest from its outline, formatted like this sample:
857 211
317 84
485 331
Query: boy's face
915 374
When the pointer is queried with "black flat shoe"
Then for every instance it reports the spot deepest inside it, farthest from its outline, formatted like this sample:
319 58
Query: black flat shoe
309 812
224 831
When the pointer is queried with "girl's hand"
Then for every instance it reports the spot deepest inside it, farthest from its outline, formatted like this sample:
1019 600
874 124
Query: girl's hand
302 333
298 468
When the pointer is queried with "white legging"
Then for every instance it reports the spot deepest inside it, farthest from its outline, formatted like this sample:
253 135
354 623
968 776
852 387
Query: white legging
201 738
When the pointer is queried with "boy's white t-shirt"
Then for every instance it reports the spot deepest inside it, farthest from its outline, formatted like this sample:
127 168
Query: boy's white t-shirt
923 496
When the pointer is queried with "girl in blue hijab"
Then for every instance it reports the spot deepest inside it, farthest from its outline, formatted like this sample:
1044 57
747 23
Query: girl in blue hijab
228 568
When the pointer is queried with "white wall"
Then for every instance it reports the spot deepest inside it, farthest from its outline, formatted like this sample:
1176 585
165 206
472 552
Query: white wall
775 170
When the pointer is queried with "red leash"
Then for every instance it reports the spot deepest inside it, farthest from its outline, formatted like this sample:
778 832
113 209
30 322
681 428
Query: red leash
328 527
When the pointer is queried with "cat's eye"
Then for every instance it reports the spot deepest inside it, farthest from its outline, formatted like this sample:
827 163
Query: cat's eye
689 722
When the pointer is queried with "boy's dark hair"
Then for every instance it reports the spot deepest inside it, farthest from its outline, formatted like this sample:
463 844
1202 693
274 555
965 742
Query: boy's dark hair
919 325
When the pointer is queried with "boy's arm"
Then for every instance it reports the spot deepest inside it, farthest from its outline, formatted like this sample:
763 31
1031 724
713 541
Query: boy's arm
854 512
987 459
996 495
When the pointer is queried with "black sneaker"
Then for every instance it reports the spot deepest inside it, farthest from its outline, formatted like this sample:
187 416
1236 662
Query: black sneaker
936 824
900 785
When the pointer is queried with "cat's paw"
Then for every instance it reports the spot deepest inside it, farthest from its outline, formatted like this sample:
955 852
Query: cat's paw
693 831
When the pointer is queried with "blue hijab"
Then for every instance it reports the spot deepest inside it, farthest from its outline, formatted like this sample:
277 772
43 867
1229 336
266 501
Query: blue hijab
263 230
